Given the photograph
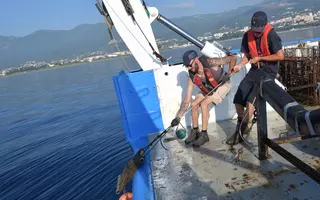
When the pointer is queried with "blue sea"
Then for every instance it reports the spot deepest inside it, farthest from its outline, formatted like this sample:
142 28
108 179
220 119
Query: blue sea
61 134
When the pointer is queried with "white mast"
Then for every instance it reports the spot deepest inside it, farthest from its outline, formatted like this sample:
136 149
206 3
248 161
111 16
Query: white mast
133 23
136 39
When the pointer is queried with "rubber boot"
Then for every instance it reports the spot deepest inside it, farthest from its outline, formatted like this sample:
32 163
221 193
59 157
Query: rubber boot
192 136
203 138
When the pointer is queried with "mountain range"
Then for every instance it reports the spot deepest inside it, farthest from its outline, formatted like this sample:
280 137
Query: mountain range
47 45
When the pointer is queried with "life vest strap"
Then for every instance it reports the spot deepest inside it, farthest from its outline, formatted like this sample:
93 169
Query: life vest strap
252 44
198 82
210 77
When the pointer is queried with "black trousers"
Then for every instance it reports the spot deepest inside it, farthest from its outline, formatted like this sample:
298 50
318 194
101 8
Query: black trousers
247 91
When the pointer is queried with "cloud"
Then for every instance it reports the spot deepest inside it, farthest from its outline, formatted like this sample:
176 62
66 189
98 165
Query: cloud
181 5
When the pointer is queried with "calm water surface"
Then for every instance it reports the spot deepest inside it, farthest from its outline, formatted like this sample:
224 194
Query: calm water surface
61 135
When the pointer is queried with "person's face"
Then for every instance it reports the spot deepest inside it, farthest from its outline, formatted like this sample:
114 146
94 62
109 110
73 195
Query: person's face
193 66
257 34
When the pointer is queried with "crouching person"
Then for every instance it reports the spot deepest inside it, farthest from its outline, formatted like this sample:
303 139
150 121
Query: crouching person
209 75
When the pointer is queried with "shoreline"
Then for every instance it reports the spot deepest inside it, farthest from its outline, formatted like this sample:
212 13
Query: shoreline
284 31
164 49
57 66
41 69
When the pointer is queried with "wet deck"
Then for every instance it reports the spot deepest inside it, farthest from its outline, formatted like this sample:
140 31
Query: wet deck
212 172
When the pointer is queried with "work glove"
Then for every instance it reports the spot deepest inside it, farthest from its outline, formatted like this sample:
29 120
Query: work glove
175 122
225 78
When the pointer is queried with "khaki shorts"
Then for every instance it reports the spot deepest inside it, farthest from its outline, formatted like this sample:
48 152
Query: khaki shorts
218 96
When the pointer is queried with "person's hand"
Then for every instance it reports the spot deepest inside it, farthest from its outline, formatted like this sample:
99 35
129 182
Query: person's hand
255 60
229 53
237 68
175 122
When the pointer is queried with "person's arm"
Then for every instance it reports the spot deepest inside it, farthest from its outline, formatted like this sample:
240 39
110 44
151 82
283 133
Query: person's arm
231 60
232 63
245 50
244 60
275 46
185 104
278 56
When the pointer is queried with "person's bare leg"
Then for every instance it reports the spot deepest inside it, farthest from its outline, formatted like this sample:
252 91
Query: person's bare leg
203 138
243 117
250 108
194 111
240 110
235 138
205 115
247 116
242 114
195 115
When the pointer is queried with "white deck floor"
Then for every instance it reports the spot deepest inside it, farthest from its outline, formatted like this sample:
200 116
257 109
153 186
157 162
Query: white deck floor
211 172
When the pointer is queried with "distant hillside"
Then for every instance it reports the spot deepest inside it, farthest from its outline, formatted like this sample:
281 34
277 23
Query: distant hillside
197 24
52 45
274 9
6 41
47 45
238 17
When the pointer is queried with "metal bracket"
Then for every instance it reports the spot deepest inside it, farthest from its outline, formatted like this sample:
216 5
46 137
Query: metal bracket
285 109
261 83
310 126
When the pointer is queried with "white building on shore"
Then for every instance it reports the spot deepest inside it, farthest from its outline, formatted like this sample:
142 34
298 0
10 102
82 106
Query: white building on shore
3 73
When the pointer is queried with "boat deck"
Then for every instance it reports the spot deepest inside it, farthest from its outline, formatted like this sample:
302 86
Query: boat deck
212 171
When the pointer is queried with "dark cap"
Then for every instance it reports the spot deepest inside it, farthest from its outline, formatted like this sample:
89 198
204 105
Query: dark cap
188 56
259 21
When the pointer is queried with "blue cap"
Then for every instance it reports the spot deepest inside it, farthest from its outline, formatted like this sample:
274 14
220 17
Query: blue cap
259 21
188 56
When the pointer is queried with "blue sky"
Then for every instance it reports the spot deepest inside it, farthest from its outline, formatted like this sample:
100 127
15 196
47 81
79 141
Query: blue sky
27 16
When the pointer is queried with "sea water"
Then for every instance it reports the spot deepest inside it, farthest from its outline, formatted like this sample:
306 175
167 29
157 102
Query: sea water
61 134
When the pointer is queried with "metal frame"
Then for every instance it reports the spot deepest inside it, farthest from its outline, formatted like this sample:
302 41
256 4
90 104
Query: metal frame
293 113
300 72
179 31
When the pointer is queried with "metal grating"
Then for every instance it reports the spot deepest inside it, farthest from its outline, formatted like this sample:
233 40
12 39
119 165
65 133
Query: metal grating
300 74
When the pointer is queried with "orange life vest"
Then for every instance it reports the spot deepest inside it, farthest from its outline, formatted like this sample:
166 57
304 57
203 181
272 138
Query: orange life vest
209 78
263 43
210 81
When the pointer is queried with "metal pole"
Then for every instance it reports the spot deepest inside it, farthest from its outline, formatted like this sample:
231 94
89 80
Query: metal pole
262 127
294 160
303 122
270 92
179 31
